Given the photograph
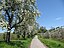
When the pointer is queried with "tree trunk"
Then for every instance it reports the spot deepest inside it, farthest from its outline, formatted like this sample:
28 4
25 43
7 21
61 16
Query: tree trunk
8 34
8 37
31 34
24 35
28 35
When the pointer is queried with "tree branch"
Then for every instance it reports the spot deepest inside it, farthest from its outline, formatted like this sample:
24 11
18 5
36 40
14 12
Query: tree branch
17 23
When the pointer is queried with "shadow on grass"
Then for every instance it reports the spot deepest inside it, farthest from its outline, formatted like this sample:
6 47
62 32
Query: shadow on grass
12 43
16 43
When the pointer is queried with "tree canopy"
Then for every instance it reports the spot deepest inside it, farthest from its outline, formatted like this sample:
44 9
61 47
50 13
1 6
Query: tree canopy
14 11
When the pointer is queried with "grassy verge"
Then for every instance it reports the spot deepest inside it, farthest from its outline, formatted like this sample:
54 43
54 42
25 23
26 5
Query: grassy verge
52 43
16 44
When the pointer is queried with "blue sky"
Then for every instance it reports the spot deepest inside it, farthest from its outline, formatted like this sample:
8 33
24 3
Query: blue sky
52 13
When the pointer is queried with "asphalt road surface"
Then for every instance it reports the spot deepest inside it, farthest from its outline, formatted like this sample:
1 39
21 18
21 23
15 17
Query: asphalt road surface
36 43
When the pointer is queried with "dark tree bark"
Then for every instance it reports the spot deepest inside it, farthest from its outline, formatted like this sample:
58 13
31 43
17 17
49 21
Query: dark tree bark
18 36
28 35
8 34
8 37
31 34
24 35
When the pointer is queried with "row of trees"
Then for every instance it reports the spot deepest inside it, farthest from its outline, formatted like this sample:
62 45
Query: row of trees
17 14
42 30
56 33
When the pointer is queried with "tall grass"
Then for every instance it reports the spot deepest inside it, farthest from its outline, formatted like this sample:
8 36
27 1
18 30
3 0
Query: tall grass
52 43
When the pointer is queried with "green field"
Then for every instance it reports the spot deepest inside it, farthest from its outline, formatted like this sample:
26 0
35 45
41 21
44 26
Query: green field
52 43
16 44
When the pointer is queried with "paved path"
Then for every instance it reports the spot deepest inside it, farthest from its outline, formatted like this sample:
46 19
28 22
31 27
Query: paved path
36 43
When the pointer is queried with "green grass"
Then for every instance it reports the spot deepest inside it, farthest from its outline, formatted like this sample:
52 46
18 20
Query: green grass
52 43
16 44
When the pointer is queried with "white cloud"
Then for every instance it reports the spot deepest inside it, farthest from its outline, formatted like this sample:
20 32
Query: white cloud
58 18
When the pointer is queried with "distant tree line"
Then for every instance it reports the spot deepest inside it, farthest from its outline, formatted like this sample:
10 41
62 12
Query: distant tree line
55 33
